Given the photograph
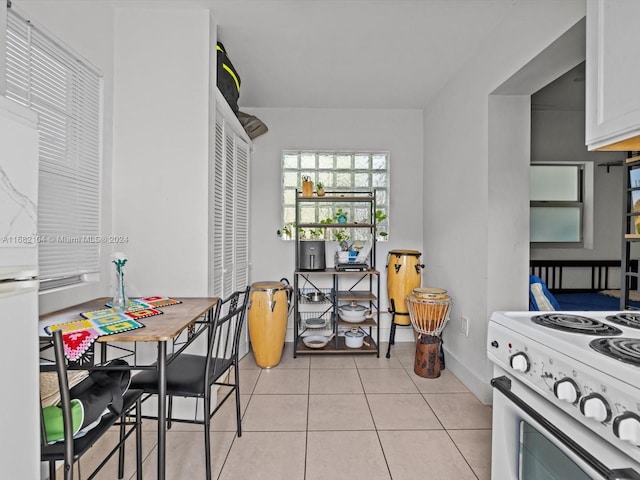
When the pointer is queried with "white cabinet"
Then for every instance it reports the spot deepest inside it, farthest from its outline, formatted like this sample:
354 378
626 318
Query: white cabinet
228 207
612 70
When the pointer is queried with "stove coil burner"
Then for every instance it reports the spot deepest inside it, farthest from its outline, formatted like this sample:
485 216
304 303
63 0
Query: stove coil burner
575 324
626 350
627 319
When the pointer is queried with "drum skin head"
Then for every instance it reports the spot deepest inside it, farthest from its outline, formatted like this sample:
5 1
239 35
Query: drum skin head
430 292
267 285
405 252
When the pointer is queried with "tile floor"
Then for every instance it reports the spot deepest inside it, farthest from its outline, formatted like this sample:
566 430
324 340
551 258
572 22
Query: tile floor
334 417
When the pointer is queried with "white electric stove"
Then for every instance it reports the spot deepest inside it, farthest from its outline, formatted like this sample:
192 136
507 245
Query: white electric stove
566 394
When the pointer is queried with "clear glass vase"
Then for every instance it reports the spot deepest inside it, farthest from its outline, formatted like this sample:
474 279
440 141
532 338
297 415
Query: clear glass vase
120 299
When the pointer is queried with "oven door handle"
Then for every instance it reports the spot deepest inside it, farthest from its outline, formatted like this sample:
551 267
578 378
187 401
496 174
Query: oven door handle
503 385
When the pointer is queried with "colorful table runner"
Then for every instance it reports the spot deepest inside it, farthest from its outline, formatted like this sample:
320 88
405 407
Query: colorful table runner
79 335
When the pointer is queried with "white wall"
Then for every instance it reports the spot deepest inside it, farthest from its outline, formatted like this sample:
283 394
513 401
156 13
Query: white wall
559 136
474 258
161 108
397 131
508 221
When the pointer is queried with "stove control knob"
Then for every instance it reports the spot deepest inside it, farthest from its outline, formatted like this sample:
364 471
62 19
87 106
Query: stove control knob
627 427
595 406
567 390
520 362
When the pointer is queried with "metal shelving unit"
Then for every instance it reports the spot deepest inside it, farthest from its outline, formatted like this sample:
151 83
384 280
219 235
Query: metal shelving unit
338 286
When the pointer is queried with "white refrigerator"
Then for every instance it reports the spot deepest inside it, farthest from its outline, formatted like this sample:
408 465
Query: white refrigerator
19 370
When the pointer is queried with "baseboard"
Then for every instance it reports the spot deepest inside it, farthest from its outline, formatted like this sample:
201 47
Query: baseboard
479 387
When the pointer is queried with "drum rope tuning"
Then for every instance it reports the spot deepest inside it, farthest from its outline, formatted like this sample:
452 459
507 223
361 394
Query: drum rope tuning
429 310
398 266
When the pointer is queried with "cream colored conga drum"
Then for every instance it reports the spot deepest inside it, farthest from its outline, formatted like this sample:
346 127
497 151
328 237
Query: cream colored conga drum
267 318
404 273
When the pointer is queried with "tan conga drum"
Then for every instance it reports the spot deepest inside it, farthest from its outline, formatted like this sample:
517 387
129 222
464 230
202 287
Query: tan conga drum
267 318
404 273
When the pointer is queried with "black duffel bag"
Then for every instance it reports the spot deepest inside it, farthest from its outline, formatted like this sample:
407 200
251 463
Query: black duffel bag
102 391
228 80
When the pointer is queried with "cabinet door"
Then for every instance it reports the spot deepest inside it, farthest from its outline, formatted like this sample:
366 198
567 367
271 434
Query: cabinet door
612 69
229 206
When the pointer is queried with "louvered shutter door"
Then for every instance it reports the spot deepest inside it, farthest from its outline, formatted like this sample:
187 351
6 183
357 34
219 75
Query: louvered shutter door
229 213
241 232
217 208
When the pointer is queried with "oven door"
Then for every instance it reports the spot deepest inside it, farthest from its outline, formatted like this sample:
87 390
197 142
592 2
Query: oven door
535 440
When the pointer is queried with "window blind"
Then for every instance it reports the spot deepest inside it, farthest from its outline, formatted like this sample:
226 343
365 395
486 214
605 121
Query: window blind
65 91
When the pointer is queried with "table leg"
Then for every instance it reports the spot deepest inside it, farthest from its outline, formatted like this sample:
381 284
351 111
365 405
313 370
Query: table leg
162 411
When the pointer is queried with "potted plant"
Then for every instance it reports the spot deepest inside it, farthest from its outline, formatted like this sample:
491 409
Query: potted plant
342 237
307 186
341 216
316 233
287 231
380 217
320 189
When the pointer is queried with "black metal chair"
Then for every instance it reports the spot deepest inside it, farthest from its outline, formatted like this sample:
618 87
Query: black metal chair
193 376
71 449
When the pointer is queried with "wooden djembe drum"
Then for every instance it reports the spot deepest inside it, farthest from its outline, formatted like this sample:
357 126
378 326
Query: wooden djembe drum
429 312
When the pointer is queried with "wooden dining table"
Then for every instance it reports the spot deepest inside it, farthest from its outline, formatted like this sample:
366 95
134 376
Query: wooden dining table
161 329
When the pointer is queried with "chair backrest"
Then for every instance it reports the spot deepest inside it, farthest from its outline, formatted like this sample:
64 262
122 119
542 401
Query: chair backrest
60 367
224 335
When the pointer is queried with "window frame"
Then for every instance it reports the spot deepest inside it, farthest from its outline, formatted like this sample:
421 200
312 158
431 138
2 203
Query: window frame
579 203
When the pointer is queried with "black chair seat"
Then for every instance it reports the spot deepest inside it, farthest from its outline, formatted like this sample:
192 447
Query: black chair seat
55 451
184 375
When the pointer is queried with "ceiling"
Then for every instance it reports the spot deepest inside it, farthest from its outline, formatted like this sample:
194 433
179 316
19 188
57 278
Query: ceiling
354 53
566 93
351 53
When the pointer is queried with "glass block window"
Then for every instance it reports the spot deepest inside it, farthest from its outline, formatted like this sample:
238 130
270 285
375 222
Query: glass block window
336 171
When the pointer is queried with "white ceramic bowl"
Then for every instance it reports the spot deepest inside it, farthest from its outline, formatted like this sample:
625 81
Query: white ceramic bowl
316 341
